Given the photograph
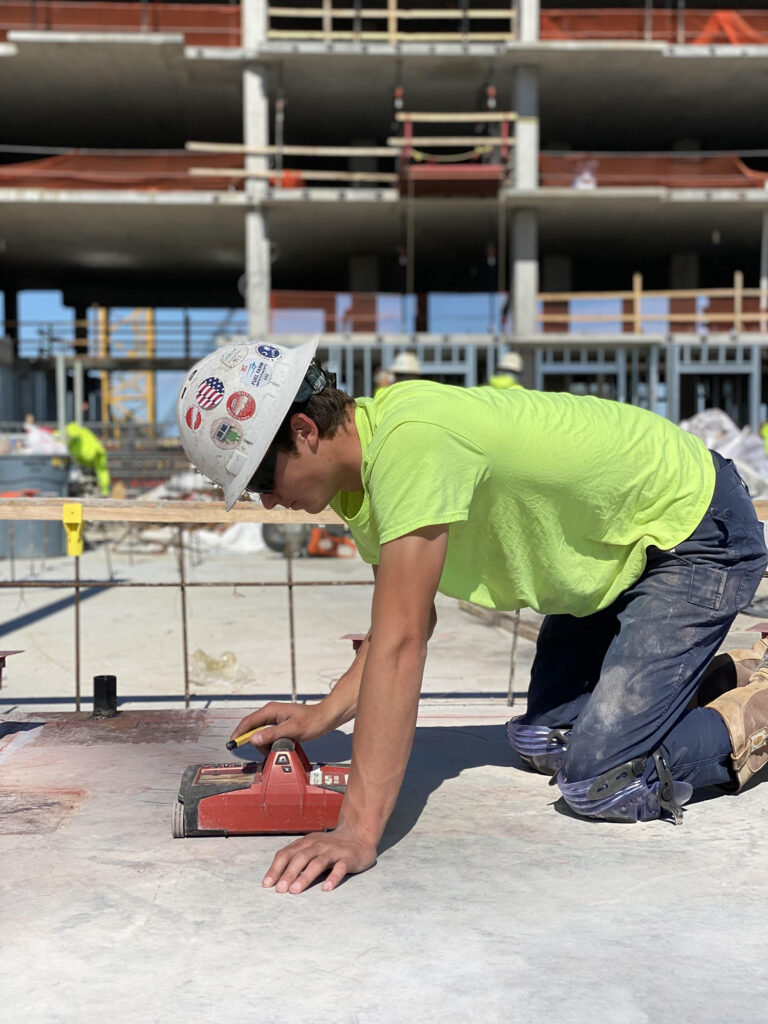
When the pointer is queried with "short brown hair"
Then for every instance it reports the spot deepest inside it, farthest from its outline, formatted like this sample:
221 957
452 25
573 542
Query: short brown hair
328 409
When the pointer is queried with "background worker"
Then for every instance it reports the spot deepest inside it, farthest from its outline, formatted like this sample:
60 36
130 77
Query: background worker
406 366
638 544
507 369
88 451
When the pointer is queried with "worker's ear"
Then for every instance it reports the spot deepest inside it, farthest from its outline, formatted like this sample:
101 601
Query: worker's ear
304 429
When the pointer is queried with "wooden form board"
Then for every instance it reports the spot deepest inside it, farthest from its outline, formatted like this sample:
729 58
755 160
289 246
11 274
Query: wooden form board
105 510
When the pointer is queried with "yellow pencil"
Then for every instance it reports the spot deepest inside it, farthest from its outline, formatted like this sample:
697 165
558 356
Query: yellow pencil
240 741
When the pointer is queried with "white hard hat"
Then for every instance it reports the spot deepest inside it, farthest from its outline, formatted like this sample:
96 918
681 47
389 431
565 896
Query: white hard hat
231 406
405 362
512 362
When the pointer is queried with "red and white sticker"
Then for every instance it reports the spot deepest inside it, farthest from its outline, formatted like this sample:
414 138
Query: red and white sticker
241 405
193 418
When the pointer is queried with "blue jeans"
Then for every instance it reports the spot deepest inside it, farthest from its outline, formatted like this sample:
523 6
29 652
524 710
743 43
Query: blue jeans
622 679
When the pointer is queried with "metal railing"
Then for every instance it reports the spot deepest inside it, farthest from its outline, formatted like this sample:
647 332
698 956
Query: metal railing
391 22
697 311
180 514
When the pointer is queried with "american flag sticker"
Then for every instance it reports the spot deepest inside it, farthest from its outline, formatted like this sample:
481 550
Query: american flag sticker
210 393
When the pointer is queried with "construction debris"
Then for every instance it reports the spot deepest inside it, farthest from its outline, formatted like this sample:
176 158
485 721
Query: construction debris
744 447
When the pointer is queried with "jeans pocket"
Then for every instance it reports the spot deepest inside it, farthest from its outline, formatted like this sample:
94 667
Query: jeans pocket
707 586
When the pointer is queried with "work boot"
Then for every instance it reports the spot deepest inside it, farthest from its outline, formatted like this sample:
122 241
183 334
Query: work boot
745 713
728 670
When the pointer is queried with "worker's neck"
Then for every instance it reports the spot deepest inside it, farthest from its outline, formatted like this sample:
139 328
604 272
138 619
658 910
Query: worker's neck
348 453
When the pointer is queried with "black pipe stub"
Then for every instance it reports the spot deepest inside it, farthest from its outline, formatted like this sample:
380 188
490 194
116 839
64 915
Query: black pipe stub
104 696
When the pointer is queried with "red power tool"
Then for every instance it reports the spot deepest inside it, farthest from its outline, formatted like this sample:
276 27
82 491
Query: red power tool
285 793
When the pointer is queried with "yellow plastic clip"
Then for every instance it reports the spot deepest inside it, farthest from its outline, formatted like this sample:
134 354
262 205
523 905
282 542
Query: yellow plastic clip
72 517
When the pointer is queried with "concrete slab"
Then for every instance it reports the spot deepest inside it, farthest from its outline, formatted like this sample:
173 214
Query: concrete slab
489 902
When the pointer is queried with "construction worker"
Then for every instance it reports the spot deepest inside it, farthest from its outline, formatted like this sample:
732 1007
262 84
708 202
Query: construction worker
406 366
88 451
638 544
507 368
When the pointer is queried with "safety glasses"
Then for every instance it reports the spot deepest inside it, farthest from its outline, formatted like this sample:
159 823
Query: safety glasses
263 480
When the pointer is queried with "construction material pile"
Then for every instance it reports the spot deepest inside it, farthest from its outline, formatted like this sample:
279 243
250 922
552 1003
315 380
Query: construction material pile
743 446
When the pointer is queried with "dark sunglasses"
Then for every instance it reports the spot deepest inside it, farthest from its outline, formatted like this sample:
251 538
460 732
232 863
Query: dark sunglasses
315 380
263 480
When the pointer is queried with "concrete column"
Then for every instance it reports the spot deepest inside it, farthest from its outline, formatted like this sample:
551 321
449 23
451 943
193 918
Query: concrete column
527 128
253 24
257 247
525 272
529 15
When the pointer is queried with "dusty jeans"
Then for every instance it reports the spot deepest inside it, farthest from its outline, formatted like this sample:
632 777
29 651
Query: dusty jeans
621 679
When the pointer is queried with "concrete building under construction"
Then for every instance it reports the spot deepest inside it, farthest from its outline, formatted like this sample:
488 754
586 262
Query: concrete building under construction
583 184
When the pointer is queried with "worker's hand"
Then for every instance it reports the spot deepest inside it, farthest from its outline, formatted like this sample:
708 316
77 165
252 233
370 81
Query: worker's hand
284 721
340 853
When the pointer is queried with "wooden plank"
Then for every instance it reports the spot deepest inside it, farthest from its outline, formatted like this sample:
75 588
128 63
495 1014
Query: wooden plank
386 177
486 141
105 510
235 147
463 117
383 13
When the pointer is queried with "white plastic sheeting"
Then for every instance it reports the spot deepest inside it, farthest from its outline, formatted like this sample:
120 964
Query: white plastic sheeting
742 445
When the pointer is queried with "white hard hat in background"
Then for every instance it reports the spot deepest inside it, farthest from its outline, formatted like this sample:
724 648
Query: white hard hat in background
512 362
405 362
231 405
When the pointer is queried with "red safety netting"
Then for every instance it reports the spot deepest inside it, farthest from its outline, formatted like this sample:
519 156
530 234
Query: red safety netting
200 24
584 170
162 171
693 27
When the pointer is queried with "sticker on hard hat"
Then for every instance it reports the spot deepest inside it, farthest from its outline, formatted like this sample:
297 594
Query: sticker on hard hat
256 374
193 418
231 355
225 434
241 405
269 351
210 393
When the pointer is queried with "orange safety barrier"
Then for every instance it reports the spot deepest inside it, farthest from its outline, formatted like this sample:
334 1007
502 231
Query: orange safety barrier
694 27
200 24
117 169
584 170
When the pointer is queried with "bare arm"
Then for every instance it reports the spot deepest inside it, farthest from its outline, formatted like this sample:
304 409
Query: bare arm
387 703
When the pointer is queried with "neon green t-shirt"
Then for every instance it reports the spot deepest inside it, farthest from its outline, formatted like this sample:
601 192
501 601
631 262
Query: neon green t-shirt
552 499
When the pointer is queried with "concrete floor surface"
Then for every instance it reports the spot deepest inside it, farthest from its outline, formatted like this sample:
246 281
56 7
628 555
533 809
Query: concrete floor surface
489 901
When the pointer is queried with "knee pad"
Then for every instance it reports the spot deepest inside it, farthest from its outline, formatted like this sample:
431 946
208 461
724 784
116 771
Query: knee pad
623 794
540 747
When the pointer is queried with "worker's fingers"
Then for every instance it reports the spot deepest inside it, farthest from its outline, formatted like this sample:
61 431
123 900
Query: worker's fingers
297 866
264 716
336 876
279 862
287 864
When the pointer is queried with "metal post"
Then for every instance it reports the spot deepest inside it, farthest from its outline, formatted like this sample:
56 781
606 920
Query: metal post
291 634
77 388
77 632
185 647
61 394
513 653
